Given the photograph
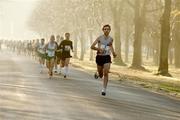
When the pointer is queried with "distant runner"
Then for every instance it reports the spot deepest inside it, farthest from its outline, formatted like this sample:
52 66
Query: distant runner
50 57
66 46
56 55
41 53
59 56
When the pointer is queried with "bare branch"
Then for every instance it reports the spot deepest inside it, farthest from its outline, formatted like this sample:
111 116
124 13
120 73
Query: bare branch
130 4
154 10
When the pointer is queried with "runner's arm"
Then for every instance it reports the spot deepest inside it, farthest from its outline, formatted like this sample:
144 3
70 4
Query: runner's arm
45 47
56 47
72 46
112 50
93 46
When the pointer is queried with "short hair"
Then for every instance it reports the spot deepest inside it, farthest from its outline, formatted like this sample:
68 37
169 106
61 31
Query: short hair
52 37
107 25
67 33
58 36
61 38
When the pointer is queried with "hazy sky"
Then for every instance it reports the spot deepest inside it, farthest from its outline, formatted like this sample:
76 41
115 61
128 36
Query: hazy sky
14 15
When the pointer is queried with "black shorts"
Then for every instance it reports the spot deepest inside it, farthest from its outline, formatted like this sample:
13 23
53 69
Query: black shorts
101 60
58 54
63 58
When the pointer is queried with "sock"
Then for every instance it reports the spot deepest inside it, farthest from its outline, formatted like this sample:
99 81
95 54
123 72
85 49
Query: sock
55 68
66 70
104 89
42 65
60 69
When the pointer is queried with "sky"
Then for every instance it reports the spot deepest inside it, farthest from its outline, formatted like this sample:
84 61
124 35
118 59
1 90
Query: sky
14 15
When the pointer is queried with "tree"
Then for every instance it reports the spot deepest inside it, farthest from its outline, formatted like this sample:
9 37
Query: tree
165 39
153 28
140 11
117 10
177 34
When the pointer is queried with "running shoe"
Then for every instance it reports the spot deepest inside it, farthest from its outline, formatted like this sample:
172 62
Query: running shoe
103 93
96 76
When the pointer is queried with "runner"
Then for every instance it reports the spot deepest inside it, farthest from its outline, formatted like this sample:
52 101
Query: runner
59 54
50 51
29 48
103 58
41 54
56 58
66 45
36 49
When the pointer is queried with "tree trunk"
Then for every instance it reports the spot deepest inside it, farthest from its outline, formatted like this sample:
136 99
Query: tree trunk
75 46
117 31
155 56
170 54
91 41
127 43
156 44
118 60
165 40
177 37
177 47
82 45
139 29
147 52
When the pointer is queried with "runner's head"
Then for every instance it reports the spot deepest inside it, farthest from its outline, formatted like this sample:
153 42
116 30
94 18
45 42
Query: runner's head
37 41
67 36
58 38
52 38
42 40
62 38
106 29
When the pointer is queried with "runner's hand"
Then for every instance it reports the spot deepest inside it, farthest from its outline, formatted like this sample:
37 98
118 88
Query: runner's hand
101 50
114 55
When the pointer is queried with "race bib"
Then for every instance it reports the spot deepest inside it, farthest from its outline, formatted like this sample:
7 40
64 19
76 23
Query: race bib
50 54
41 51
67 48
102 46
106 49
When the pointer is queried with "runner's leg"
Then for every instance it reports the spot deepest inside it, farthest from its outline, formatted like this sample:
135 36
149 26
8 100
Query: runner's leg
55 65
51 66
67 60
100 70
106 77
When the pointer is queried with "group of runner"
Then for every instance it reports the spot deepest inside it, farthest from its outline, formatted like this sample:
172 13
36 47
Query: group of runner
56 53
26 47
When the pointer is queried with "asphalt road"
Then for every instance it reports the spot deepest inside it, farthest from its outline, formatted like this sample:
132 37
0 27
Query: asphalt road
25 94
